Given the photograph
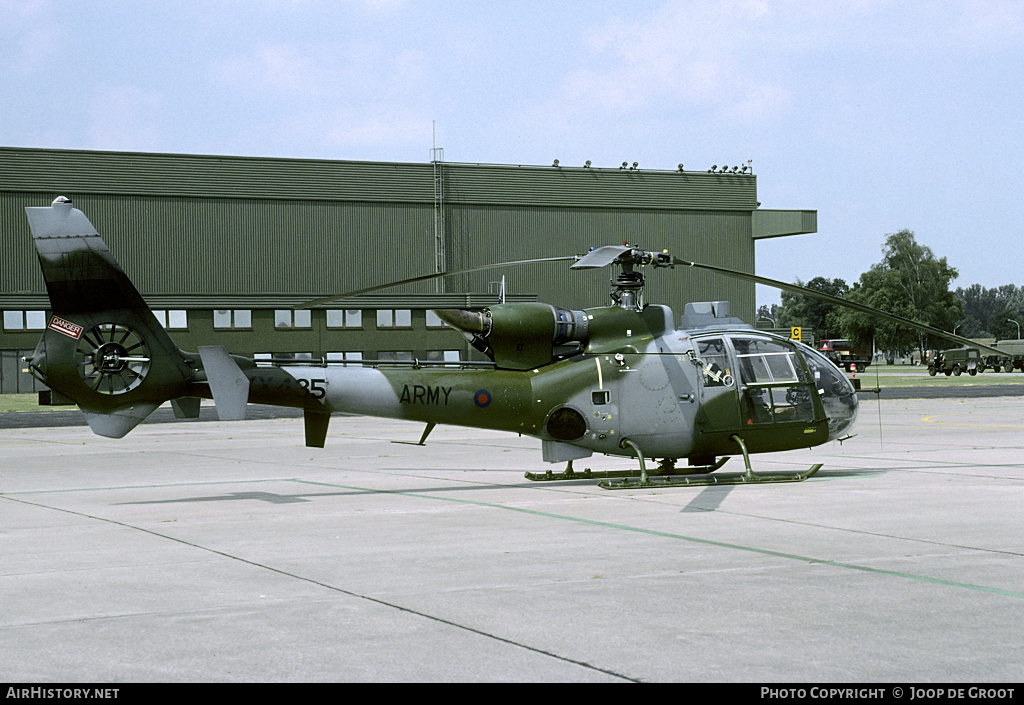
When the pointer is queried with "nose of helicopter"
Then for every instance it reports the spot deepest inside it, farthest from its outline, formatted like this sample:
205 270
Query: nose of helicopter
839 398
836 392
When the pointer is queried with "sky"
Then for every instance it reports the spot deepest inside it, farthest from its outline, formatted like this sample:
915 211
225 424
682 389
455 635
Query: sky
881 116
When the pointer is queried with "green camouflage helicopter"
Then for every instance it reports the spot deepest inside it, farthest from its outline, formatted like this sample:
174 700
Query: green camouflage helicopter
622 380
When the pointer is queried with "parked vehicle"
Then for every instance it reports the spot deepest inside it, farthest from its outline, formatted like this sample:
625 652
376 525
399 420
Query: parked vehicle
846 355
1007 363
956 361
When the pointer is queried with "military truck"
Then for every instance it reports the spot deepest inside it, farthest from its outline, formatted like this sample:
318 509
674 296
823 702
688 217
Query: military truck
846 355
956 361
1006 363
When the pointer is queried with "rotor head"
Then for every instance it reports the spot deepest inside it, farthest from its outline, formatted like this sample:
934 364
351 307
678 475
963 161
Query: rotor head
628 285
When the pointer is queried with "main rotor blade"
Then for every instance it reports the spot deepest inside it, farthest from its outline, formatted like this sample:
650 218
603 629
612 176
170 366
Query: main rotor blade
601 257
426 277
863 308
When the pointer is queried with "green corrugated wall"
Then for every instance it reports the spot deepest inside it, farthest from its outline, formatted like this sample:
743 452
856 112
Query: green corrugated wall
203 232
239 226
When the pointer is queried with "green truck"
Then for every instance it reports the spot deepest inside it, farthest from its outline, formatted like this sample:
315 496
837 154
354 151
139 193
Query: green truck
1014 357
956 361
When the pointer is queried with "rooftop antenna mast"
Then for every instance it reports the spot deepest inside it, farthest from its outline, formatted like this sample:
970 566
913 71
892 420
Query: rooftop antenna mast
437 159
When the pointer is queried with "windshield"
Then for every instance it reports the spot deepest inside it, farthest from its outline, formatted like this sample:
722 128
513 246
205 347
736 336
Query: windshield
775 389
836 392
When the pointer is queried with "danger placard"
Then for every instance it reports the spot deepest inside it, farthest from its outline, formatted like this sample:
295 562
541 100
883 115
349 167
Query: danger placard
72 330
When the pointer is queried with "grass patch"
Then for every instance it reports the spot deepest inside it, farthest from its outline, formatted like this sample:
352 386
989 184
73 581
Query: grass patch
25 402
907 376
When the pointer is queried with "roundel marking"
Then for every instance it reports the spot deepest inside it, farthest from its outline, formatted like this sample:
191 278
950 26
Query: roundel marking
482 398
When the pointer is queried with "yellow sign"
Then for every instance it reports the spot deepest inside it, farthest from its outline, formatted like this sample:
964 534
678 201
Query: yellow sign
794 332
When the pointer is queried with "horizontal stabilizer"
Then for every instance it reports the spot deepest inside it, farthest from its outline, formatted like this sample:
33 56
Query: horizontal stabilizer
228 384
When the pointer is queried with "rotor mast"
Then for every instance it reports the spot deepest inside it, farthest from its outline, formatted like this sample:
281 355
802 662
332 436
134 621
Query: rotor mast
628 287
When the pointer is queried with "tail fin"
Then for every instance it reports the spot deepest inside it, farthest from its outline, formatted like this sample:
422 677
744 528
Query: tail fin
103 347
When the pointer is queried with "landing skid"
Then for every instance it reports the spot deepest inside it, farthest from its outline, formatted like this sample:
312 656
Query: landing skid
668 476
735 478
588 474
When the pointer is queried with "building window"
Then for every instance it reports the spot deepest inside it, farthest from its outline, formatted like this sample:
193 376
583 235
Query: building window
232 318
35 320
286 318
24 320
281 359
348 318
344 356
395 355
172 320
397 318
433 320
442 356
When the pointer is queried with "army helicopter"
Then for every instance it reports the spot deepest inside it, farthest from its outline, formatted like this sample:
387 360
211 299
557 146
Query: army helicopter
620 380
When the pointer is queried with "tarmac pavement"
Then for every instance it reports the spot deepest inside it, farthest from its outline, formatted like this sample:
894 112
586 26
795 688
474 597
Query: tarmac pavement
228 551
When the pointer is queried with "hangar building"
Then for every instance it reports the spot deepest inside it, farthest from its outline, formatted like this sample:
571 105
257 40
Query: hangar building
222 247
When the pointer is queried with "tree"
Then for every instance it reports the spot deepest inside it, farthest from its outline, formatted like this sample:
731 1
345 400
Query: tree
909 282
821 316
981 306
1015 299
1004 324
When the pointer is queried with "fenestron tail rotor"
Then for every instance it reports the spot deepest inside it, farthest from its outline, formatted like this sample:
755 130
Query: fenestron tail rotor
112 358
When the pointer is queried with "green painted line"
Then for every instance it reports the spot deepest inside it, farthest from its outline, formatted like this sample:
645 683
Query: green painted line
682 537
577 520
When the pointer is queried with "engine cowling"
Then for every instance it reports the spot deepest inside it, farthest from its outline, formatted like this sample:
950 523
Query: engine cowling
521 336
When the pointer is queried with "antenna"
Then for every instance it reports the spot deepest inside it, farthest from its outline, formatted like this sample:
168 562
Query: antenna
436 153
437 159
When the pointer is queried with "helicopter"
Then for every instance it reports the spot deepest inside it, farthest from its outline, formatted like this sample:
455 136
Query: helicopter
620 380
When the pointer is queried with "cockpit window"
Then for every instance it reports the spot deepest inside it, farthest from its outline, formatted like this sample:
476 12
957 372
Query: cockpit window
765 361
714 362
775 388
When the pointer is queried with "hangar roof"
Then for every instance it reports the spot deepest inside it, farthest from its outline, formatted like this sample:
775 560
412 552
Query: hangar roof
211 176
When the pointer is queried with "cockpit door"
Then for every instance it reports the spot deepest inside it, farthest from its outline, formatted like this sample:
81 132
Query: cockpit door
719 402
773 384
779 407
